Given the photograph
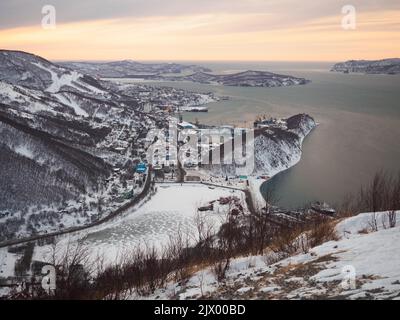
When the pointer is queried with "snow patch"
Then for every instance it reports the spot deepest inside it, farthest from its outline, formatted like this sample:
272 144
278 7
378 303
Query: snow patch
24 150
320 273
73 104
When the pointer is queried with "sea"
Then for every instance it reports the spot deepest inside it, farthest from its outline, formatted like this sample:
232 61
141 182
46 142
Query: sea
358 132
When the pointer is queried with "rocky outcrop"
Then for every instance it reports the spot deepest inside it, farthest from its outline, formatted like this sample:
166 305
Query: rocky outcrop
278 149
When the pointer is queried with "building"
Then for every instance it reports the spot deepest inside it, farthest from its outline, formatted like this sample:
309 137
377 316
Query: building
141 168
186 125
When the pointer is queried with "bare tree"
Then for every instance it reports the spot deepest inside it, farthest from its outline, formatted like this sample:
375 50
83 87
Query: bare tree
392 218
373 222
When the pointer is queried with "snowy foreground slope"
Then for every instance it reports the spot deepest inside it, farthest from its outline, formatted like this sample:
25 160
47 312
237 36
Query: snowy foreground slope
361 265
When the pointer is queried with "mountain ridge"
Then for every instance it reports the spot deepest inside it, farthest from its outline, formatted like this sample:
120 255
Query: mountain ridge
249 78
383 66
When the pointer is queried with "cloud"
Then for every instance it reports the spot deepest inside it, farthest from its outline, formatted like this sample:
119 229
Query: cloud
211 37
17 13
206 30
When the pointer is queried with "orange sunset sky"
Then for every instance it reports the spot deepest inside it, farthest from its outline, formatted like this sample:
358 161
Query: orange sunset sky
202 30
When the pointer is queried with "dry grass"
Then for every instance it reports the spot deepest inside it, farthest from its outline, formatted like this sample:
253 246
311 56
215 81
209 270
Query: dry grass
290 241
364 231
323 231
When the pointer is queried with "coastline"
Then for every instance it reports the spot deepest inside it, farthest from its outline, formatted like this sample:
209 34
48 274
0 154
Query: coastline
255 184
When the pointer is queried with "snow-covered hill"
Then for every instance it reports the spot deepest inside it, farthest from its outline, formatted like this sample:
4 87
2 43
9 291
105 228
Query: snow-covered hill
248 78
59 132
173 71
362 264
34 72
278 149
385 66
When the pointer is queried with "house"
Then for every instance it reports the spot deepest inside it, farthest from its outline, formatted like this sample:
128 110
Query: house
141 168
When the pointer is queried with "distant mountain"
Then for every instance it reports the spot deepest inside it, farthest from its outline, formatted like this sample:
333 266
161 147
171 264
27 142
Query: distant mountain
386 66
170 72
245 79
130 69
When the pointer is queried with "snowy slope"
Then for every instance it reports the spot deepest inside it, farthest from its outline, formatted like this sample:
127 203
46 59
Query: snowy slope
30 71
58 130
278 150
324 272
275 149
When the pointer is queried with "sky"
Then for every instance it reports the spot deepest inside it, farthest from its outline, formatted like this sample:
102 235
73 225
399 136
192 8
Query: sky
207 30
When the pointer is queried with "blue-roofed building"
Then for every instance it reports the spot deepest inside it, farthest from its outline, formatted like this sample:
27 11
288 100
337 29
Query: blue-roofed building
141 168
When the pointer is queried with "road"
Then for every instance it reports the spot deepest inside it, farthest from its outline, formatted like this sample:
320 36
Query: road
112 215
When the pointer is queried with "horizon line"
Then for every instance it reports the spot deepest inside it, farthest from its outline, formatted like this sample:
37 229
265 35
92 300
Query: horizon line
196 60
212 60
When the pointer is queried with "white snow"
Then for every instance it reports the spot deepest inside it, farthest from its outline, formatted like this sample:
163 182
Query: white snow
374 257
254 187
24 150
68 78
269 289
352 226
244 290
170 211
7 262
71 103
11 93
